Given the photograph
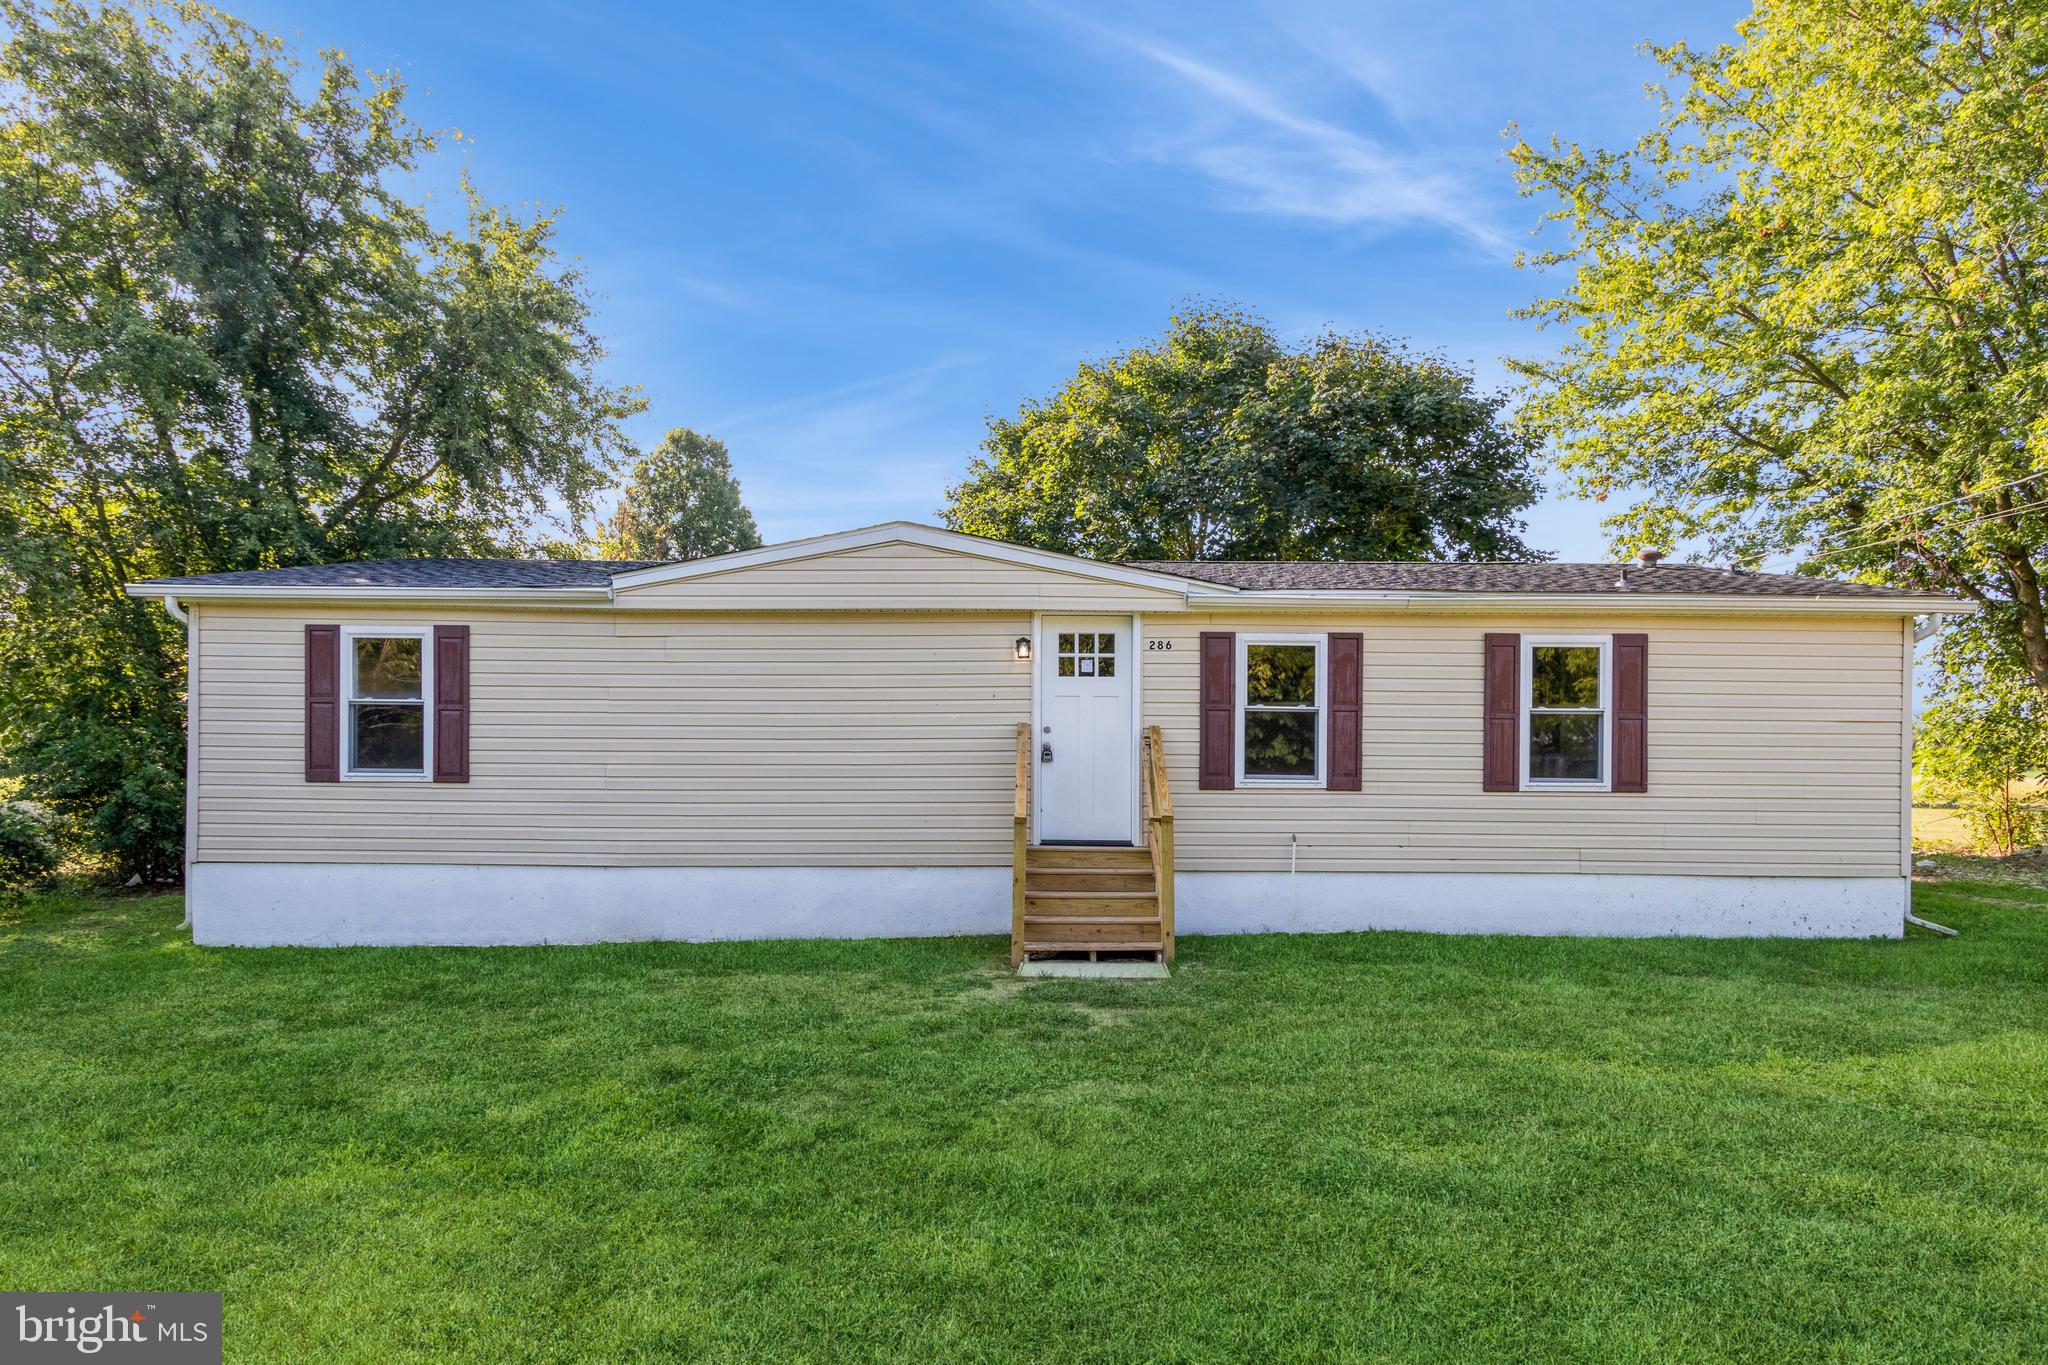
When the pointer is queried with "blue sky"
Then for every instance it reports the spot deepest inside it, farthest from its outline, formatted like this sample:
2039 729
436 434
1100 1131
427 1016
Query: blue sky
838 236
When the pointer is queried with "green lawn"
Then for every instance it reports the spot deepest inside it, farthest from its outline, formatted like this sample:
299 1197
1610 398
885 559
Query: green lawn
1359 1145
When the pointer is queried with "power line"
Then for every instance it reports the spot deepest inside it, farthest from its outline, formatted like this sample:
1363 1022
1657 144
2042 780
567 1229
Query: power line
1973 521
1936 507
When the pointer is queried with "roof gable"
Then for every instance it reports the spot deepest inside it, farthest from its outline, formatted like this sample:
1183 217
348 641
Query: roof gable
909 533
900 567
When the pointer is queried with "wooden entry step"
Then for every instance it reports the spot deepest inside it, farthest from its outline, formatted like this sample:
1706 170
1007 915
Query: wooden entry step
1090 900
1087 858
1094 900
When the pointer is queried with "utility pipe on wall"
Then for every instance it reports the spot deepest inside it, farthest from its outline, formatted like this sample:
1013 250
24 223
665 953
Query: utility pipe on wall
184 618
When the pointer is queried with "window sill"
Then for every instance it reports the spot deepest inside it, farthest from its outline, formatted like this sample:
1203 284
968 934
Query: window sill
1285 784
385 777
1565 784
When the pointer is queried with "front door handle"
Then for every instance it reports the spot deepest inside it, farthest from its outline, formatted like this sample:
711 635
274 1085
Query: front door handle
1045 753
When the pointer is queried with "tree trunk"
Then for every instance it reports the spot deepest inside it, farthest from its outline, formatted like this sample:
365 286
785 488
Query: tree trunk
2026 595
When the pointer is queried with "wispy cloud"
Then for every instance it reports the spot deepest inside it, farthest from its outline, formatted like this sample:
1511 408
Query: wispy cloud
1285 161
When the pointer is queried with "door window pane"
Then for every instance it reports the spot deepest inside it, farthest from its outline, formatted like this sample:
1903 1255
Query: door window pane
1086 654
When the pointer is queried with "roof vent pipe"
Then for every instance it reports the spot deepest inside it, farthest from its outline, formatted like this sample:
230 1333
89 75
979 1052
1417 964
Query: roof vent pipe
1648 558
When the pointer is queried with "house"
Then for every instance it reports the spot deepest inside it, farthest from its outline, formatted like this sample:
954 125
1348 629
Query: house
905 731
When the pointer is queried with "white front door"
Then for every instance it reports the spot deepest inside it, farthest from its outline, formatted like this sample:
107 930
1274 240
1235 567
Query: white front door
1086 788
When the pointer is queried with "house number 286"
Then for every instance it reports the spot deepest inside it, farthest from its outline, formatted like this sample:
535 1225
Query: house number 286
1158 644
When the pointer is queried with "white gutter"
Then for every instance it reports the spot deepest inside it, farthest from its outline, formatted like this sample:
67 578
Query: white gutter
1197 599
177 612
242 592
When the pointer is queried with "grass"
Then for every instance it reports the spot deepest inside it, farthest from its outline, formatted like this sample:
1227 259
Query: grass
1373 1145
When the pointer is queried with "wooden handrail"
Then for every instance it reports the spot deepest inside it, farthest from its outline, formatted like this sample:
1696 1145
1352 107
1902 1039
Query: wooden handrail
1162 795
1020 825
1159 803
1023 811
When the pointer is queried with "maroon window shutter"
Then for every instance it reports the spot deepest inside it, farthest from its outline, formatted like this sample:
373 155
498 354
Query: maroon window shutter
1219 711
323 703
1347 683
451 703
1631 713
1503 753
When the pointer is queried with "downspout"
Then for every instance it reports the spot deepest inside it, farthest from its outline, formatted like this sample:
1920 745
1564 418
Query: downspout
184 618
1924 629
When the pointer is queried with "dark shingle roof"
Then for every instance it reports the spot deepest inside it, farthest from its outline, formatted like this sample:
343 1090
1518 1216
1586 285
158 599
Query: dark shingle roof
1246 575
1382 576
423 573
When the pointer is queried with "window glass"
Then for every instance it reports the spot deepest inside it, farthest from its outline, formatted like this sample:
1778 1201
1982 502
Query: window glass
1280 744
1564 747
1564 676
389 738
1566 721
387 712
388 667
1282 725
1280 675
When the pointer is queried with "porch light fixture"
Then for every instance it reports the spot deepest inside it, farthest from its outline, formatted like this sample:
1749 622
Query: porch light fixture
1023 646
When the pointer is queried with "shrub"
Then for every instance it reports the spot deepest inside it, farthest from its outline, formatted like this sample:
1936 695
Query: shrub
1982 749
28 849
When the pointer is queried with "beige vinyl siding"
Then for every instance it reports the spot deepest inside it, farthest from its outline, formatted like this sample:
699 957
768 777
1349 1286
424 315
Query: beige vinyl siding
897 577
601 738
1775 750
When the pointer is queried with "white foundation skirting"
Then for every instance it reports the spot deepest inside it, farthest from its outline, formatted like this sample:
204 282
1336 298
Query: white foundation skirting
265 904
1624 906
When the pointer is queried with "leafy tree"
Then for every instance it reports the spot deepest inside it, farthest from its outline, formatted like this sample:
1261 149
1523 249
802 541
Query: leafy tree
681 502
1982 744
1216 441
1810 307
226 341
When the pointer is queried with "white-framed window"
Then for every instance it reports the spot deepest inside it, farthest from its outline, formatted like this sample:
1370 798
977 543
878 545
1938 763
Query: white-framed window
1567 714
1281 713
387 675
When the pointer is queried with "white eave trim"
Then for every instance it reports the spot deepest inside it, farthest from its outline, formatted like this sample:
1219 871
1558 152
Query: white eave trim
1597 602
353 592
914 533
